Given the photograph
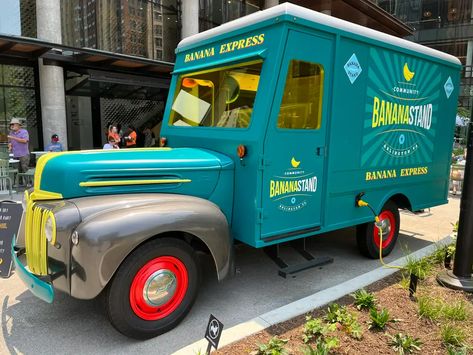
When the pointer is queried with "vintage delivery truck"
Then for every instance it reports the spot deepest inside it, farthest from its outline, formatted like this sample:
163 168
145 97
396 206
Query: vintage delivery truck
276 124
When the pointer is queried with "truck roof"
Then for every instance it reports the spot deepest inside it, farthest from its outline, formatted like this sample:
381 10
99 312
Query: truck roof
316 17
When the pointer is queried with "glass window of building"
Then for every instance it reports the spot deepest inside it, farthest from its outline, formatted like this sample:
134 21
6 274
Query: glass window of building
214 13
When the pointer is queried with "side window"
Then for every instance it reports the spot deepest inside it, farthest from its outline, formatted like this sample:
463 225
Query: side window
301 106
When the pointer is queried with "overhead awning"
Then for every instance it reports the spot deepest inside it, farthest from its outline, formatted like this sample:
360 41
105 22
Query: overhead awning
100 73
30 49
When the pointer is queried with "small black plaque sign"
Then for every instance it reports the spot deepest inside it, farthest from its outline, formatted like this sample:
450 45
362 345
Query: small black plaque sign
10 217
213 332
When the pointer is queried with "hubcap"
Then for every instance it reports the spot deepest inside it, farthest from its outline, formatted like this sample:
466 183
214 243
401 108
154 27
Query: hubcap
160 288
387 223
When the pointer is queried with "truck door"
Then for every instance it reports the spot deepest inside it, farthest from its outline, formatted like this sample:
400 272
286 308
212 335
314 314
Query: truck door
295 143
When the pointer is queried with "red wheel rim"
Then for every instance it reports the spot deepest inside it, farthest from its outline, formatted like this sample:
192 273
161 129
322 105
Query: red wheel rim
389 226
158 288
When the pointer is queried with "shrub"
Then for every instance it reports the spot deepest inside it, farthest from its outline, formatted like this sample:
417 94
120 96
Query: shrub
275 346
379 320
364 299
404 344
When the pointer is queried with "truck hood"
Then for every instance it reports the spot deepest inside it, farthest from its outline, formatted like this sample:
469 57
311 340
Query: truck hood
187 171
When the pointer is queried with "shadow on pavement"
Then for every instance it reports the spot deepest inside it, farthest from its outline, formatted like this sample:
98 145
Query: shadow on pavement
73 326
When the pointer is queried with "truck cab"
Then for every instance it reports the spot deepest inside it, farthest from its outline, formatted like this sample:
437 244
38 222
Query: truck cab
278 126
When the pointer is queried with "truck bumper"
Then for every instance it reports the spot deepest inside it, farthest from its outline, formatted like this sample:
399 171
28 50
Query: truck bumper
38 287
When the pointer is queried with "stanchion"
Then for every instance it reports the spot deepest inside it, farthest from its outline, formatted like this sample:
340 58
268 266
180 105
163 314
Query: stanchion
461 277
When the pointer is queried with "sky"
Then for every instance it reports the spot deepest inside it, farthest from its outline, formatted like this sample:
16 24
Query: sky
10 17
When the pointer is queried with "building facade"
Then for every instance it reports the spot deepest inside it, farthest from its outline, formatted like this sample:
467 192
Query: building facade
142 30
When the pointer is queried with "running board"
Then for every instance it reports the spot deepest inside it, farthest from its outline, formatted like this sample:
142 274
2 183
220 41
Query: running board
299 245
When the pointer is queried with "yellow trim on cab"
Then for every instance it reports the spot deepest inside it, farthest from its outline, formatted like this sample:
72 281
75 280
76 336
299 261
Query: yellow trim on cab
132 182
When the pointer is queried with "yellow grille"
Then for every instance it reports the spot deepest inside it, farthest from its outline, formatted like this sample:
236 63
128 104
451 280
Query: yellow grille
35 239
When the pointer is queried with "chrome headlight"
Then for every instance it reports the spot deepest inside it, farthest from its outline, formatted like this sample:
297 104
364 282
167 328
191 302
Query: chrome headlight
50 228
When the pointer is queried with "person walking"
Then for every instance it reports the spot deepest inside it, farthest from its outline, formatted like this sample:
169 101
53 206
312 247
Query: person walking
18 140
55 145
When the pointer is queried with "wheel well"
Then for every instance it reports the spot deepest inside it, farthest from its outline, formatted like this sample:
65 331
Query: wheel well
401 201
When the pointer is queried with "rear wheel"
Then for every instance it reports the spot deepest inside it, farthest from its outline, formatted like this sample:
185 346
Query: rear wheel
368 234
154 288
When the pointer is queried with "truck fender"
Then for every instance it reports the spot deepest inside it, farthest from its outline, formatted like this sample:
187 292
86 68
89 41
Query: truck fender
107 238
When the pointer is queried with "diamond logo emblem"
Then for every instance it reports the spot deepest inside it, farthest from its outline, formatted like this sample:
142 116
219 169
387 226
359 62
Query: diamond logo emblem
353 68
448 87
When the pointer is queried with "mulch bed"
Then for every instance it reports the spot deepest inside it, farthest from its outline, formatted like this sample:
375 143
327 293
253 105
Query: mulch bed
390 295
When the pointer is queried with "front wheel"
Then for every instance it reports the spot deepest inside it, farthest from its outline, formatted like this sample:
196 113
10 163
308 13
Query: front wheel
367 235
154 288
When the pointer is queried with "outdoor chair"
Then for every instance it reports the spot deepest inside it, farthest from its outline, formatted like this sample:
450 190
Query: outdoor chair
28 177
5 179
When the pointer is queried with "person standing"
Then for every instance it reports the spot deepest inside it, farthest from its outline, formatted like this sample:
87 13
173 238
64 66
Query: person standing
19 139
130 139
55 145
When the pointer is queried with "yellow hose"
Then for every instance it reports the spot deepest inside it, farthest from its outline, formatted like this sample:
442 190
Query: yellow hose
362 203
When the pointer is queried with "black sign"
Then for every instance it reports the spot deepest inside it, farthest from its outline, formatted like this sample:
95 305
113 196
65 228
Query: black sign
214 331
10 217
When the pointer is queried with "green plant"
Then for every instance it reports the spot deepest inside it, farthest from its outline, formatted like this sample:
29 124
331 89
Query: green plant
404 283
453 350
404 344
379 320
455 311
429 308
364 299
321 347
452 335
275 346
314 329
418 267
340 314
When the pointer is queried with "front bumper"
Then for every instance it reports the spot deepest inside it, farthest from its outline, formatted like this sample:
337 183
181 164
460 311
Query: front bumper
38 287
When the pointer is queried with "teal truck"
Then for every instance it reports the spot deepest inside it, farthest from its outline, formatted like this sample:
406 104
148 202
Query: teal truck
275 126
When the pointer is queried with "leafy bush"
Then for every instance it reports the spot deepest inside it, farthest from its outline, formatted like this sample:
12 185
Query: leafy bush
364 299
315 329
404 344
379 320
321 348
340 314
275 346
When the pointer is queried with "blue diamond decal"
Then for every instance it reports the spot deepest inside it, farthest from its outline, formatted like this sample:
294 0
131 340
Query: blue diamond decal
448 87
353 68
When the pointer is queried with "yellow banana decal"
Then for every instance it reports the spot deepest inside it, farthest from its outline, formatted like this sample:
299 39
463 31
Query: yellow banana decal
295 163
408 75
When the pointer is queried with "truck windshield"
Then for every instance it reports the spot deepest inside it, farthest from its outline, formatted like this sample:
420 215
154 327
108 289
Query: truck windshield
222 97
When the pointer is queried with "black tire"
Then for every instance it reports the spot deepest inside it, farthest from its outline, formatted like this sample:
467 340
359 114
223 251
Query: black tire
133 315
367 236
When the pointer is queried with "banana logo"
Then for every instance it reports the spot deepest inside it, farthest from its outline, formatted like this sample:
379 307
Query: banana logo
408 75
295 163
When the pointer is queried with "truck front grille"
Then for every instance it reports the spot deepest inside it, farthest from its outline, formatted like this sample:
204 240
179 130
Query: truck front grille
35 239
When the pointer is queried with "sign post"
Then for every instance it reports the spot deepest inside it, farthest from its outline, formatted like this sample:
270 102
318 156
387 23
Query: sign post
10 217
213 333
461 277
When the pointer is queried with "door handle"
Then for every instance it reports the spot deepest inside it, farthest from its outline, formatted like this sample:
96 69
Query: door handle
320 151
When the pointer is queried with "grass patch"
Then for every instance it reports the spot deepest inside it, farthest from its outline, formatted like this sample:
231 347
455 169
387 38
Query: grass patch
452 336
456 311
429 308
